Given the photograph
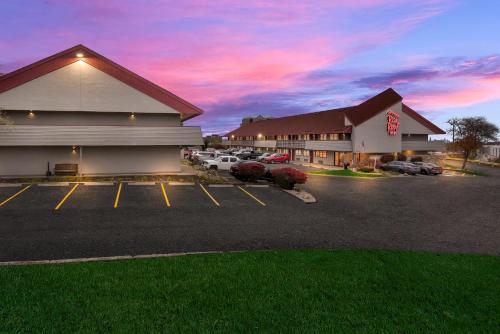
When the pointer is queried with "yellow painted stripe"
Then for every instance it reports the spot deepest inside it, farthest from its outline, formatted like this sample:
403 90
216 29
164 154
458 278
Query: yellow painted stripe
15 195
118 195
66 197
209 195
165 194
252 196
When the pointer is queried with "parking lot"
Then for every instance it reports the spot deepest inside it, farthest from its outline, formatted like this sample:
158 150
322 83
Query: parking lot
138 195
411 213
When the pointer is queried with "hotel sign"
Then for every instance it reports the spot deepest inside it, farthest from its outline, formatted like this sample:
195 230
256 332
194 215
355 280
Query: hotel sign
392 122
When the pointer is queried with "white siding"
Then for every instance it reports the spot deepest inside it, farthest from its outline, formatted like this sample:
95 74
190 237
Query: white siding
46 135
372 137
80 87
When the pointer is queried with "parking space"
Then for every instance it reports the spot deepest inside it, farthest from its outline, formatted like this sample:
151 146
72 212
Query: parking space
140 196
37 197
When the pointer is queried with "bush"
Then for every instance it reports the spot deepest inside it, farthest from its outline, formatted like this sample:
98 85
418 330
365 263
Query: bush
401 157
366 169
287 177
416 159
251 171
386 158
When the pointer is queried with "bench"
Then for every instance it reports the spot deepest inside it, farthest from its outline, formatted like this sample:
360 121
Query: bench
66 169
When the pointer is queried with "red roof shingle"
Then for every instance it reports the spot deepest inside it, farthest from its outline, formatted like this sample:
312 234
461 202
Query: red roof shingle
66 57
330 121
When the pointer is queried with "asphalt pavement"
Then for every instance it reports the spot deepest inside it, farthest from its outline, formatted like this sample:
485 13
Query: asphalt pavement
444 214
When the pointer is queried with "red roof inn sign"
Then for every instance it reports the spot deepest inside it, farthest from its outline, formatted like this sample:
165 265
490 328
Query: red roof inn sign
392 122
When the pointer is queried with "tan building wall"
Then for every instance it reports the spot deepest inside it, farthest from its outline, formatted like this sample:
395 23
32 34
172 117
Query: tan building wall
371 136
32 161
80 87
86 118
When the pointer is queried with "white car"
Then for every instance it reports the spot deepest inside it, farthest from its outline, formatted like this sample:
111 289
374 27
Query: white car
223 162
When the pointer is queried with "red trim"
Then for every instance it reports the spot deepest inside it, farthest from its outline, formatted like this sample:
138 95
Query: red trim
422 120
66 57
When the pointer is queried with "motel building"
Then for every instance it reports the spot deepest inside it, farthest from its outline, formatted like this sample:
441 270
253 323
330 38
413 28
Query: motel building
78 107
382 124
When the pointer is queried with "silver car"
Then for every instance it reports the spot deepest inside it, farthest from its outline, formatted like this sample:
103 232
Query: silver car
401 167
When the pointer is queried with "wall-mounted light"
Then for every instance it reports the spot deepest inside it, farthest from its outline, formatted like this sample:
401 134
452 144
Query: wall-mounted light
259 135
132 116
31 114
79 55
232 136
73 149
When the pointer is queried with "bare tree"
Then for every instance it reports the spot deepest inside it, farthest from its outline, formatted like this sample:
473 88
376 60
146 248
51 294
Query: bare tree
471 133
453 122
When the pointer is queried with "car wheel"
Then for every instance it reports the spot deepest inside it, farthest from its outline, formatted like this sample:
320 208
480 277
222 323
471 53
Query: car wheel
424 172
213 167
401 171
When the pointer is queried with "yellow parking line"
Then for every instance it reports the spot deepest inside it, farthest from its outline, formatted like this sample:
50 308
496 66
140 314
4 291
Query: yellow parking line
15 195
165 194
252 196
208 194
66 197
118 195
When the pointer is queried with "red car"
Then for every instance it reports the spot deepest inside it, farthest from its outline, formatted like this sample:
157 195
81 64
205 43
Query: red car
277 158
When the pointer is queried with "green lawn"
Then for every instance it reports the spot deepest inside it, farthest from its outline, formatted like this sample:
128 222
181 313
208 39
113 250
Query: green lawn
465 171
289 292
345 172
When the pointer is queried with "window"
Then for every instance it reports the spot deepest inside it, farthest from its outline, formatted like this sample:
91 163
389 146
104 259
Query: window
323 136
225 159
298 152
233 159
320 154
334 136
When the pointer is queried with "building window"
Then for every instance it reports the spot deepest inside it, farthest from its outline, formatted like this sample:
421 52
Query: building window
335 136
323 136
320 154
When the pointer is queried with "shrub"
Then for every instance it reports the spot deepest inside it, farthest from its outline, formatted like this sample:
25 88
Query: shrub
251 170
386 158
366 169
401 157
416 159
287 177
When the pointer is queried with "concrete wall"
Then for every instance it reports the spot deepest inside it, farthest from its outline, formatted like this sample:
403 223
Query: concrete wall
372 137
80 87
32 161
91 118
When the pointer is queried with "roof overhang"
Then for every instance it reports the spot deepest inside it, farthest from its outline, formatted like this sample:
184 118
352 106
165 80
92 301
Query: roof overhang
82 53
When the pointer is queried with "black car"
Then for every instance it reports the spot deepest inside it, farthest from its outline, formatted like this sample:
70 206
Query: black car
248 155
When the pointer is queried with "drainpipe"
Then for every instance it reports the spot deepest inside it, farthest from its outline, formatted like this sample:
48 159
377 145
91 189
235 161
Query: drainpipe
80 170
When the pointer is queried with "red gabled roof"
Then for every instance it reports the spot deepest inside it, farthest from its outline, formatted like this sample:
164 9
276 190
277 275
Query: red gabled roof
422 120
328 121
66 57
373 106
331 121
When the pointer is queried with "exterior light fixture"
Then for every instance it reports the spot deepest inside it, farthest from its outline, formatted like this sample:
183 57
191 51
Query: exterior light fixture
79 55
132 116
73 149
232 136
259 135
31 114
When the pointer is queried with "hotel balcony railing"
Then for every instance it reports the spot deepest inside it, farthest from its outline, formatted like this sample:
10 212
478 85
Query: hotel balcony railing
417 145
249 143
290 143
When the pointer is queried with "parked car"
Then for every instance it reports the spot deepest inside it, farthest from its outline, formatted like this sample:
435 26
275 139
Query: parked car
248 170
198 156
223 162
428 168
262 156
248 155
277 158
401 167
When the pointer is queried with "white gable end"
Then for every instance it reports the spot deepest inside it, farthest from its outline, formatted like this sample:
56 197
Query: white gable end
80 87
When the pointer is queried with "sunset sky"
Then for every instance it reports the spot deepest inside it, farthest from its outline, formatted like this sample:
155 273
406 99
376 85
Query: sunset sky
241 58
